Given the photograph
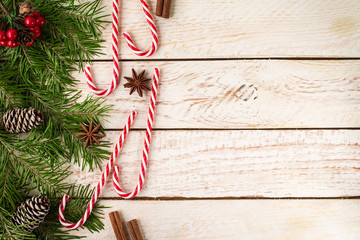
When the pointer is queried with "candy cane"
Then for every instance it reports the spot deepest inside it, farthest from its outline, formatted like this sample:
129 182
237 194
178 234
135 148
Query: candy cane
147 140
110 163
100 184
155 40
115 50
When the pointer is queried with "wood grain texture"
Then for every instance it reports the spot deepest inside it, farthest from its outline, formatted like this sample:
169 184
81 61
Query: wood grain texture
239 219
206 157
250 163
248 28
204 94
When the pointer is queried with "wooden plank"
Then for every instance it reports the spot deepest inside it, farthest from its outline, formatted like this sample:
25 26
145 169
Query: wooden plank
248 28
250 163
205 94
238 219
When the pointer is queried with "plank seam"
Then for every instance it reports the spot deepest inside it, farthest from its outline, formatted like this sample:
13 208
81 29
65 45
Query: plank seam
227 198
233 59
236 129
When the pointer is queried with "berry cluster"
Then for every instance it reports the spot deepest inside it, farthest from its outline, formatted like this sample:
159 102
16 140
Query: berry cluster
12 37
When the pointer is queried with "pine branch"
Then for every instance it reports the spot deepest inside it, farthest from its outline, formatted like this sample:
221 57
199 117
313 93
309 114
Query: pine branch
40 77
10 189
36 172
9 231
11 92
67 122
2 6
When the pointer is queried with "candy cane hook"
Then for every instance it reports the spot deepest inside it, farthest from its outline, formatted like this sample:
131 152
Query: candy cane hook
155 40
100 184
147 141
115 50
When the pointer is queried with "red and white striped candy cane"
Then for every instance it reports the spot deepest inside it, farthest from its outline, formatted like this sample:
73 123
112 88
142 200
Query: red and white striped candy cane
115 50
110 163
155 40
147 140
100 184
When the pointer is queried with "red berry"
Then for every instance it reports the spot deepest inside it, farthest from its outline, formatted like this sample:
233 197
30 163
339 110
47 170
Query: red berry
35 29
29 44
37 34
11 43
40 21
30 22
3 36
36 14
11 34
3 43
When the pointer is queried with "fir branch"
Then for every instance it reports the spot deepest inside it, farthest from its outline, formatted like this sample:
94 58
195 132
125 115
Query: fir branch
40 77
11 92
10 191
2 6
67 123
35 172
9 231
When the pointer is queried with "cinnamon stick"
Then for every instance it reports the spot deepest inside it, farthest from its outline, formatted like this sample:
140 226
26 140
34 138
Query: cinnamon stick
166 9
117 225
159 7
134 230
131 231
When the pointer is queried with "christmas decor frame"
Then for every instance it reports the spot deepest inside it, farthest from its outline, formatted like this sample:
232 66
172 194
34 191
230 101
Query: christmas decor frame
38 96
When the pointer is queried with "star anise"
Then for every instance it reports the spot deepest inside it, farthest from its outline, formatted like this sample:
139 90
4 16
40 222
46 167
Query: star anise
137 82
90 134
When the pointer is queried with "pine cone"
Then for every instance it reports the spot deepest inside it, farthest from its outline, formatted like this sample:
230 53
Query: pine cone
25 35
26 9
19 120
31 212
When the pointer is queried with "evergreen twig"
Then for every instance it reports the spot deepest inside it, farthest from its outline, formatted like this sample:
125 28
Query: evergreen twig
40 77
2 6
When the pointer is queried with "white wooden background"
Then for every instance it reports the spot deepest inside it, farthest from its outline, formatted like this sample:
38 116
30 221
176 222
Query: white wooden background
283 166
